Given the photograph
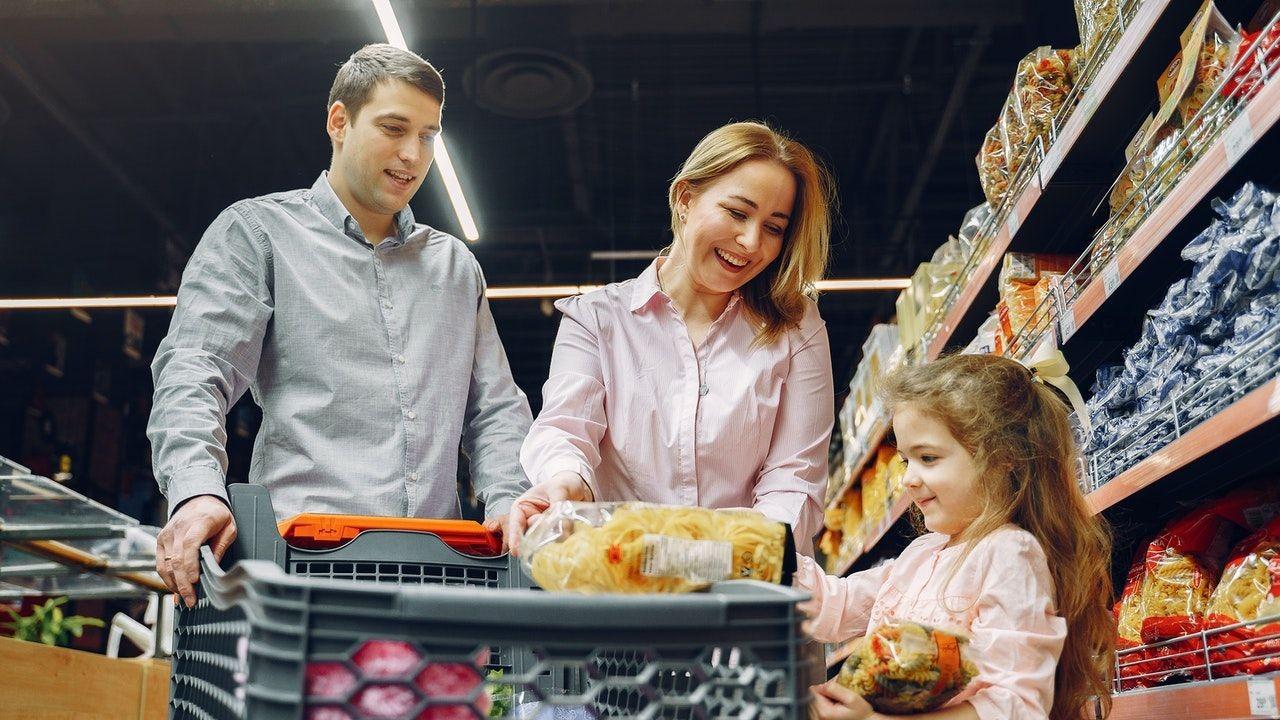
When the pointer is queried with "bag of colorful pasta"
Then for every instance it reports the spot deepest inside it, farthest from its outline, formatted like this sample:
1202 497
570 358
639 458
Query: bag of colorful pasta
1135 670
1095 17
1040 88
1248 591
905 667
993 160
634 547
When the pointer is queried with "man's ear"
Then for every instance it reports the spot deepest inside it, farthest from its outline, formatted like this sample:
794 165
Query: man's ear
337 123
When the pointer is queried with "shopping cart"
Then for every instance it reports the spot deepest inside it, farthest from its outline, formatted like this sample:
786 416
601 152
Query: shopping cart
284 632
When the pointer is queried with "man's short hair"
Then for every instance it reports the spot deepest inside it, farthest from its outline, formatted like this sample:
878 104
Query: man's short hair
375 64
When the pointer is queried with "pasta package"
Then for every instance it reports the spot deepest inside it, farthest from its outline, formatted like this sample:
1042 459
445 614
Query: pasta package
1194 75
1095 18
634 547
1248 591
907 667
995 170
1041 87
1136 670
1258 50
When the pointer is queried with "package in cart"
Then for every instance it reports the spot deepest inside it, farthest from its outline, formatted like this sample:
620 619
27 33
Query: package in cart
633 547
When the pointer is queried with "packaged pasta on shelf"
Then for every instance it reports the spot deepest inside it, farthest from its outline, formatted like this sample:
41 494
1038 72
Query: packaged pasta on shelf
633 547
1249 591
1195 75
1041 87
1095 18
1257 52
907 667
993 160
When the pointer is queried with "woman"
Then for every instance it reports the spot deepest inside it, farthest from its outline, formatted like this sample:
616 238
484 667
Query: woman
706 381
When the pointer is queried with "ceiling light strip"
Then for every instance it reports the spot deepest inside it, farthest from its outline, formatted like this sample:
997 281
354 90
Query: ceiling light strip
391 26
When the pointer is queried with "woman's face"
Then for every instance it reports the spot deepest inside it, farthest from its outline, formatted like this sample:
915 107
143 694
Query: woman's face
733 226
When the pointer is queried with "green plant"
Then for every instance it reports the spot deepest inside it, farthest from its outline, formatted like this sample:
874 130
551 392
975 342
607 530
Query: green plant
46 623
500 694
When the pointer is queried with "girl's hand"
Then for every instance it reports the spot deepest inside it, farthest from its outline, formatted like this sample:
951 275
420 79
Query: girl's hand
832 701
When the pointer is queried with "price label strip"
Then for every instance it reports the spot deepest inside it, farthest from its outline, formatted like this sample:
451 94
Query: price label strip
1111 277
1066 316
1238 138
1262 698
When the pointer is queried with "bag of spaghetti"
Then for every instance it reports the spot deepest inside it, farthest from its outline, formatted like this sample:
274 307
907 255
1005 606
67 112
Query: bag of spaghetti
1248 591
1135 668
905 667
633 547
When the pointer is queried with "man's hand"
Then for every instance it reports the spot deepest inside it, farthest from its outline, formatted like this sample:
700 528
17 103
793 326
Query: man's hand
833 701
527 507
195 522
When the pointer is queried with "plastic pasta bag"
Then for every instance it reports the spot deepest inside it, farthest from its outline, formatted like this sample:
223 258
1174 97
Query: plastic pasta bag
993 160
1249 591
634 547
1041 87
907 667
1095 18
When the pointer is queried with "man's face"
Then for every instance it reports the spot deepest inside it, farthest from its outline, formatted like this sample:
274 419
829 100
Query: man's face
383 153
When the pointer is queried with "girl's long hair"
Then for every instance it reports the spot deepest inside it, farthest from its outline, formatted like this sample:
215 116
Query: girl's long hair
1018 432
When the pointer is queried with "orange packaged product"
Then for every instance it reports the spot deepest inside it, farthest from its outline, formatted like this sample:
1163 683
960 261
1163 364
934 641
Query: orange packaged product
1129 611
318 531
1248 591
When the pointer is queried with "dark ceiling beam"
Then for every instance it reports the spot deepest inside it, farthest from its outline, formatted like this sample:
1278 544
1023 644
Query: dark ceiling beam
11 62
906 215
901 74
423 22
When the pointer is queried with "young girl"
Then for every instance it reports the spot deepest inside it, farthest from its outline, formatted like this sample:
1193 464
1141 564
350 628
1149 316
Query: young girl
1013 557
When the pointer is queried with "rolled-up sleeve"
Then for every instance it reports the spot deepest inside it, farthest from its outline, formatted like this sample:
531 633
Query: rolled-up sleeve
567 434
841 606
497 419
1016 637
210 356
793 478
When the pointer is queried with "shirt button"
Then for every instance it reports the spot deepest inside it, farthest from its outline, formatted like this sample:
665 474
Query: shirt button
413 476
400 359
703 390
411 415
386 304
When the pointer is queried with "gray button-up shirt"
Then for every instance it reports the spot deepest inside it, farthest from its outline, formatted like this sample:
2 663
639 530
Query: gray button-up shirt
372 364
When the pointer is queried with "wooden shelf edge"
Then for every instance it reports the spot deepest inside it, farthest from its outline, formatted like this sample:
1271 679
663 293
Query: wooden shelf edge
1260 117
1224 699
1255 408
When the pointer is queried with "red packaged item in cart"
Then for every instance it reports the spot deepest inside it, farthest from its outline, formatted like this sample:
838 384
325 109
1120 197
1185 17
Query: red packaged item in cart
1249 591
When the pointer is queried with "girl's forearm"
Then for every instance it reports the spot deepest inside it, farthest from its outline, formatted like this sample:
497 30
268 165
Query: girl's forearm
963 711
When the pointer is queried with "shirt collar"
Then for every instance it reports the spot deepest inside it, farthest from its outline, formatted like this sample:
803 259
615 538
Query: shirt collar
646 288
327 202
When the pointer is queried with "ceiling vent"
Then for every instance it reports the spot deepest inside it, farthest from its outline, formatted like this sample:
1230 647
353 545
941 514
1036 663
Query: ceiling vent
528 83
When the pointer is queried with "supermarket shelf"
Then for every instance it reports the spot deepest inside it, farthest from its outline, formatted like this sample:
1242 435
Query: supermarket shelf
1257 407
1242 697
896 511
1243 134
1076 170
873 443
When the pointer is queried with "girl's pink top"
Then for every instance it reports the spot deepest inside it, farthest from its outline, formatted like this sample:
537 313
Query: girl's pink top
1001 596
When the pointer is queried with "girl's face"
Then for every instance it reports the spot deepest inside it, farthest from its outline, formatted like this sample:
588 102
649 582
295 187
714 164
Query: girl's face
941 474
733 227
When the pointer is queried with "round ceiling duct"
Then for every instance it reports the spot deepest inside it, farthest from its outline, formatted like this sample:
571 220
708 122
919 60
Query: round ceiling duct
528 83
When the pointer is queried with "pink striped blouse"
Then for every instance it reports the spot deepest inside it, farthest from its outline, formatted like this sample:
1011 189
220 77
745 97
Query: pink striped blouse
641 414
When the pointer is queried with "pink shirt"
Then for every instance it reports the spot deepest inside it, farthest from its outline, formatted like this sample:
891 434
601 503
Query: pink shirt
1001 596
641 414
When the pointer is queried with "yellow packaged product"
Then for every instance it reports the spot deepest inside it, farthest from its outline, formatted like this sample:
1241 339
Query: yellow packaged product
633 547
907 667
1095 18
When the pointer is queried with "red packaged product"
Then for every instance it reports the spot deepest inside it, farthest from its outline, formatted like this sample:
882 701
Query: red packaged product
1249 590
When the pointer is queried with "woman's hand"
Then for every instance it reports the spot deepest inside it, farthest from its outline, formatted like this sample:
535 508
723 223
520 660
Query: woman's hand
562 486
832 701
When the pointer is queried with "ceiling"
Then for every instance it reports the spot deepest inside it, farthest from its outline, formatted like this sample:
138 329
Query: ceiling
126 126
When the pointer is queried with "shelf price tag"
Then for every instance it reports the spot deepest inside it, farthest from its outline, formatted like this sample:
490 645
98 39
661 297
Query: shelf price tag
1013 223
1066 316
1262 698
1238 138
1111 276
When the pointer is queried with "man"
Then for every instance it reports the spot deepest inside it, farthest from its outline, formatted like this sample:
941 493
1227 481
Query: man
366 339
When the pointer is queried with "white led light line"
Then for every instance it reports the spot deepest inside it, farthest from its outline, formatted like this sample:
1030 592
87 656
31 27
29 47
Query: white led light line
493 293
391 27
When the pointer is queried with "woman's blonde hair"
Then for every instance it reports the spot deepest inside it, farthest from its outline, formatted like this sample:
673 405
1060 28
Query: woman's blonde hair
1018 432
776 297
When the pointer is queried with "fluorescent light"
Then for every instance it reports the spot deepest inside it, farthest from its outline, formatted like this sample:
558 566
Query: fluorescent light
387 17
391 26
623 254
142 301
451 184
864 284
538 291
493 293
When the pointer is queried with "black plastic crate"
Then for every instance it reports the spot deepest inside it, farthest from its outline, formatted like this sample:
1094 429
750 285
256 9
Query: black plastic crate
421 648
